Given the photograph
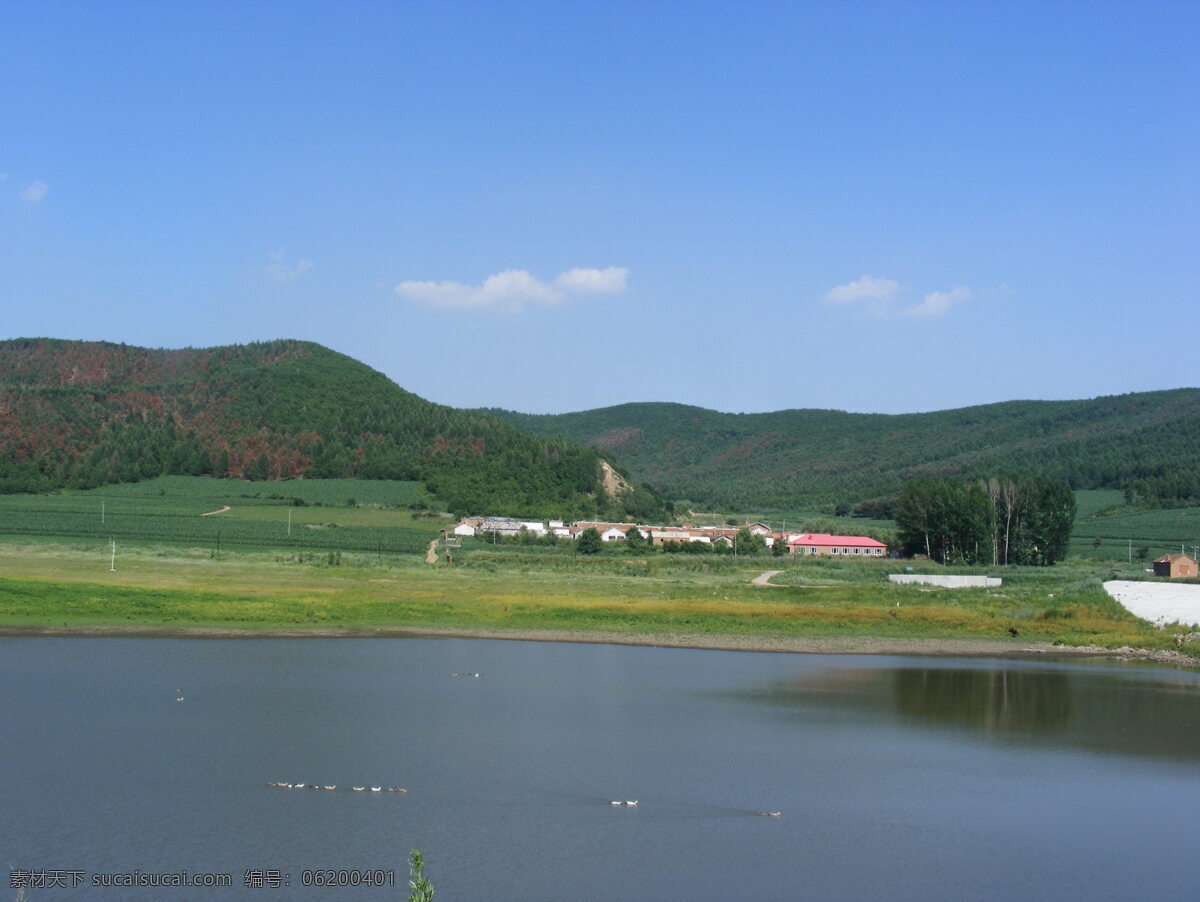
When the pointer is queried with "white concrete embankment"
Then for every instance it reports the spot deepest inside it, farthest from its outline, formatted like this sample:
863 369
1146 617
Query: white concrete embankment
1158 602
945 581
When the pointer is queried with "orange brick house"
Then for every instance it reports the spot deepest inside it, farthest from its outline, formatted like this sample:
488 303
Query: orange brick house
1175 566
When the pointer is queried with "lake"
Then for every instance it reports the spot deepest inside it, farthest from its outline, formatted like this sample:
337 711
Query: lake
895 777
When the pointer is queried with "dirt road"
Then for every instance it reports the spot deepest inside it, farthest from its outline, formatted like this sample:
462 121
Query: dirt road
764 578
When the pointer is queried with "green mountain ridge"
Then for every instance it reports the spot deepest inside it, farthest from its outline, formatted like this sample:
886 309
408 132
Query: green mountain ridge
82 414
1147 442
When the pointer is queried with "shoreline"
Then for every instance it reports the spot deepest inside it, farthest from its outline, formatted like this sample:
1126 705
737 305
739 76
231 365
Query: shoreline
822 645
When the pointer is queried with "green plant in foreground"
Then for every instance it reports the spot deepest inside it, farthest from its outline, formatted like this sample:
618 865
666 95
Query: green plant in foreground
420 889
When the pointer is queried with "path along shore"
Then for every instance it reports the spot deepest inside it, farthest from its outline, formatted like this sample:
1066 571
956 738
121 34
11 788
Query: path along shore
822 645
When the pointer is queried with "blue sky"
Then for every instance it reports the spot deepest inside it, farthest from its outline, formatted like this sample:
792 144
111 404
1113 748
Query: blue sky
548 207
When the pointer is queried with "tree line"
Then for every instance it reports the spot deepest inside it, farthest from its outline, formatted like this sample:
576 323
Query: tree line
1016 520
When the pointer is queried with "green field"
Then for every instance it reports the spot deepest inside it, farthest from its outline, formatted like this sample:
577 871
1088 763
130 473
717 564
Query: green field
335 514
359 515
1124 531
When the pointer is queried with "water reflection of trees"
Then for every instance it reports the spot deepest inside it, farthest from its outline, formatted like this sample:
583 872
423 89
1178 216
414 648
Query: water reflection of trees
1113 712
1002 700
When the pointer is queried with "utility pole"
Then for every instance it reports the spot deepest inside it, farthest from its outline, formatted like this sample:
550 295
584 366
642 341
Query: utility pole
101 513
112 566
289 523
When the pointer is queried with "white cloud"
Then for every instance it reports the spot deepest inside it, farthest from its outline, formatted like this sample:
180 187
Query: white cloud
938 303
593 281
513 289
884 295
281 271
861 289
35 192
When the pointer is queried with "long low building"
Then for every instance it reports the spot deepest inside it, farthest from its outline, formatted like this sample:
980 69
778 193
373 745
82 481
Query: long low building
824 543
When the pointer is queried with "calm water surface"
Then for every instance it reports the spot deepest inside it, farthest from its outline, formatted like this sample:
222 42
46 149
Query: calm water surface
896 778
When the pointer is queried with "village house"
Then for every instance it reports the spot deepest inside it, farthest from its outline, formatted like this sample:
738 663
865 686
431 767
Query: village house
1175 566
677 534
610 532
467 526
501 526
823 543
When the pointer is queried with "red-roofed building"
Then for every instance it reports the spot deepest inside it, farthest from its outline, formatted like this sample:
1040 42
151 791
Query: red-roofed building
823 543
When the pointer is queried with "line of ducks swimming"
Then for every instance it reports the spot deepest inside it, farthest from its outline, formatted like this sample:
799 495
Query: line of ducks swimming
330 788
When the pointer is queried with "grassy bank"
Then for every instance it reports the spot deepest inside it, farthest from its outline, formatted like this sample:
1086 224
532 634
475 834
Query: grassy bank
56 585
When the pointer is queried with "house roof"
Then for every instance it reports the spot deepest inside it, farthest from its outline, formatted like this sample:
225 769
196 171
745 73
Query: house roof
1171 558
825 539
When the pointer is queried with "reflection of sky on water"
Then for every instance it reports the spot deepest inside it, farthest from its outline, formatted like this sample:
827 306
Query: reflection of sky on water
1099 708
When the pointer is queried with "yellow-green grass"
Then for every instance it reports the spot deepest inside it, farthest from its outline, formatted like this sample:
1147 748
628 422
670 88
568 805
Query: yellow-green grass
52 585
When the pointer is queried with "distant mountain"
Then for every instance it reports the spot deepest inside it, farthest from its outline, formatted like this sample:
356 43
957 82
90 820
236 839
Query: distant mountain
82 414
1147 442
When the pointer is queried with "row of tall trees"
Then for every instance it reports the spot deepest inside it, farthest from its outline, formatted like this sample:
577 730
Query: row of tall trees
1016 520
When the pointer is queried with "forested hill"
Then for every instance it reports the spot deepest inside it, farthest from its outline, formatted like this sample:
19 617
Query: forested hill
1148 442
82 414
